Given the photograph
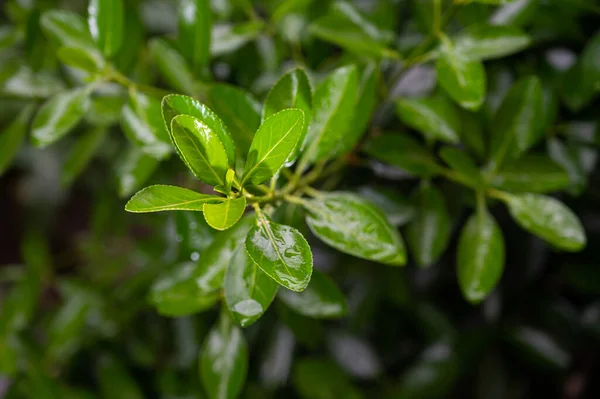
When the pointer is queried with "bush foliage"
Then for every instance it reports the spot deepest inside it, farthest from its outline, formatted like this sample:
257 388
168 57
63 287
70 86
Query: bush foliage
314 199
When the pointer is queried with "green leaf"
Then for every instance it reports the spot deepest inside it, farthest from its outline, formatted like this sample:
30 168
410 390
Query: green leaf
321 299
321 378
224 360
240 112
480 258
248 290
516 125
484 42
354 226
195 24
547 218
397 208
176 292
582 80
58 116
168 198
106 24
175 104
171 65
281 252
80 58
435 117
12 137
429 232
291 91
200 149
535 173
404 152
273 144
215 260
81 154
67 29
142 123
134 170
568 159
333 106
113 377
25 83
346 27
105 110
462 77
224 215
463 164
227 38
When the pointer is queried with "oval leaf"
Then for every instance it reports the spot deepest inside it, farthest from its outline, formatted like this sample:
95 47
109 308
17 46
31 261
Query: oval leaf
485 42
248 290
171 65
134 170
434 117
480 258
106 24
67 28
353 225
225 214
281 252
273 144
195 24
168 198
200 149
321 299
547 218
532 173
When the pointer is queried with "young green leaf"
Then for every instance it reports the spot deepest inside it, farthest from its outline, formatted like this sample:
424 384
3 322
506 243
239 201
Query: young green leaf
224 360
134 169
195 24
480 258
333 106
106 24
239 110
80 58
176 293
214 262
485 42
516 125
273 144
200 149
404 152
142 123
223 215
81 154
429 232
535 173
67 29
434 117
463 165
547 218
321 299
168 198
462 77
281 252
58 116
352 225
248 290
13 136
171 65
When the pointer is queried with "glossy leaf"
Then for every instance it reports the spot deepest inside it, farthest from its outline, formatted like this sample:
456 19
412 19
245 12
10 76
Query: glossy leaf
225 214
397 208
227 38
434 117
484 42
169 198
195 24
106 24
224 360
516 125
80 58
248 290
67 28
463 165
12 137
81 154
480 258
462 77
281 252
58 116
240 112
274 142
321 299
429 232
215 260
404 152
354 226
171 65
333 104
533 173
142 123
547 218
200 149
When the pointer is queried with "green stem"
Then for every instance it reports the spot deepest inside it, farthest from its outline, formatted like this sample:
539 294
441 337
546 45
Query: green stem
123 80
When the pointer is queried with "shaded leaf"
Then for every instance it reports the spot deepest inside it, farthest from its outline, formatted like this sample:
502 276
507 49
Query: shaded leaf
106 24
534 173
81 154
195 25
434 117
171 65
13 135
321 299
